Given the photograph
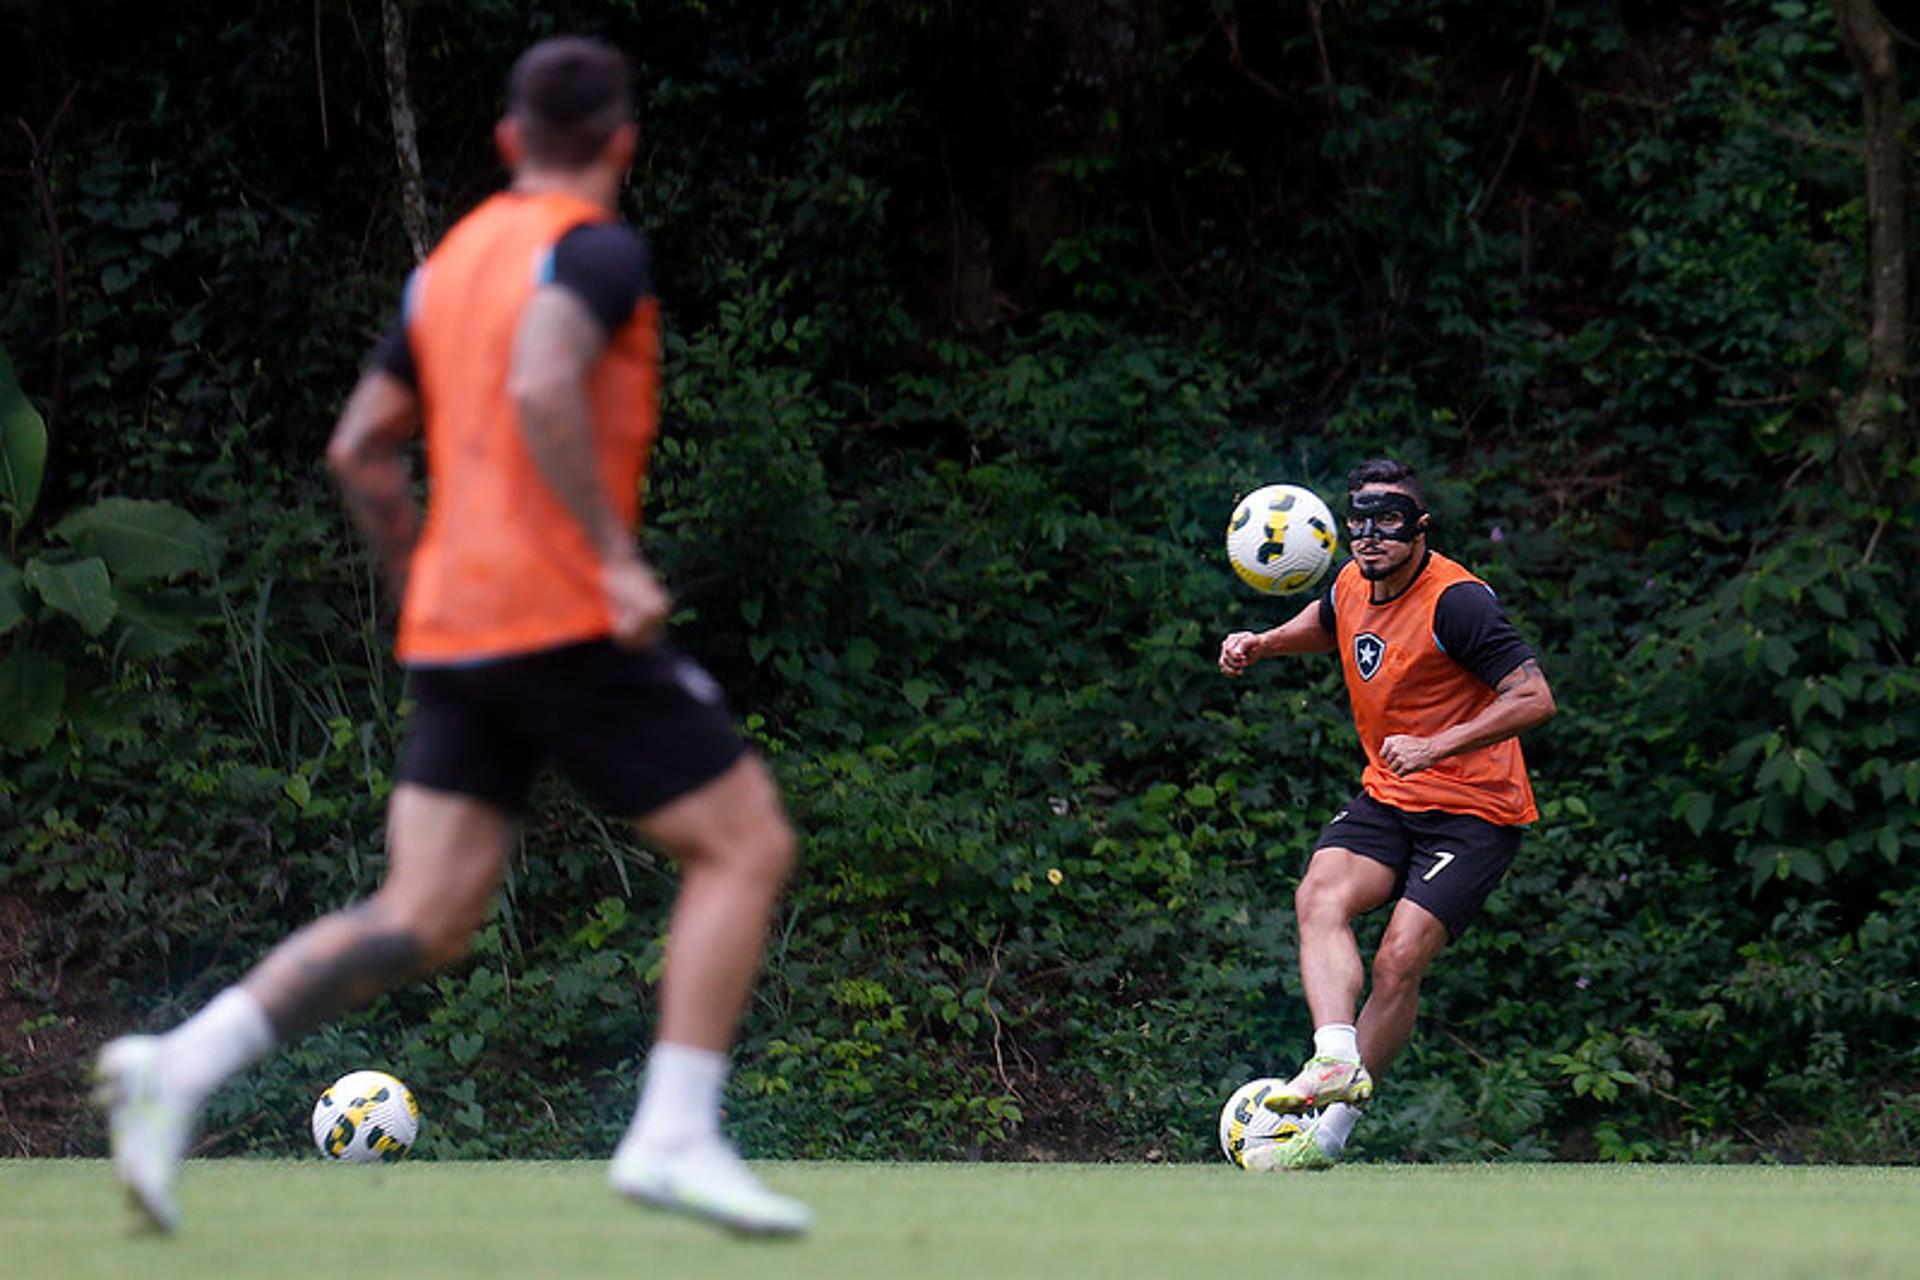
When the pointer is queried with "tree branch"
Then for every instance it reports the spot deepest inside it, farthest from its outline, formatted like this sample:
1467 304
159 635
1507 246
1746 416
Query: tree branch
1526 109
1235 59
1874 422
39 163
413 187
1892 30
320 77
1320 42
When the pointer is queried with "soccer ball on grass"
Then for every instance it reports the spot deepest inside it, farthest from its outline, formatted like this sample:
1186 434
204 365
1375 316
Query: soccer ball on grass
1250 1135
1281 539
365 1117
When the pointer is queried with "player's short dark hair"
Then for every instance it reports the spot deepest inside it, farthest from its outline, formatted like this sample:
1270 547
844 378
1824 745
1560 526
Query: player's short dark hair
569 94
1388 471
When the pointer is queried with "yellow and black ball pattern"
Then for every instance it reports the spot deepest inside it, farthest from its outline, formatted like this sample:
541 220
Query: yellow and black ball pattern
1249 1133
365 1117
1281 539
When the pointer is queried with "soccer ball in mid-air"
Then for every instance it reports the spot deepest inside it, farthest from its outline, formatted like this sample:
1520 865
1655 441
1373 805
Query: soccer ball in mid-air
364 1117
1281 539
1250 1135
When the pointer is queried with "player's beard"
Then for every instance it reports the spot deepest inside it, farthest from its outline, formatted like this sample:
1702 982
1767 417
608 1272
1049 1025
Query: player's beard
1374 570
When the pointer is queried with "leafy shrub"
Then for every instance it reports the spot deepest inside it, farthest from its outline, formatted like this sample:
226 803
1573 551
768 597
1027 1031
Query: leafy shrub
957 558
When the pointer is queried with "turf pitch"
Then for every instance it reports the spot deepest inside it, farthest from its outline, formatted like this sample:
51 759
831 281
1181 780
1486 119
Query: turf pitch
294 1219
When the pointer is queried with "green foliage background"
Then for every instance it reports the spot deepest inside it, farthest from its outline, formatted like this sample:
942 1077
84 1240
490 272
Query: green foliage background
980 317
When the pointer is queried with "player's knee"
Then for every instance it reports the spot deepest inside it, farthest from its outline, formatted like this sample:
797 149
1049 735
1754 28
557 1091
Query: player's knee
762 849
442 945
770 851
1319 902
439 933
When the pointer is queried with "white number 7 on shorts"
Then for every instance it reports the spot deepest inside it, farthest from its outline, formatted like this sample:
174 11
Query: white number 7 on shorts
1441 859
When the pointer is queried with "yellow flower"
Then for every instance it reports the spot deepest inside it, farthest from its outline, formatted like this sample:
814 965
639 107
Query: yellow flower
1054 876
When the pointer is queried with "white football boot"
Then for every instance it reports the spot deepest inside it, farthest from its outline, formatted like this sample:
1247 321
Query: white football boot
706 1180
149 1135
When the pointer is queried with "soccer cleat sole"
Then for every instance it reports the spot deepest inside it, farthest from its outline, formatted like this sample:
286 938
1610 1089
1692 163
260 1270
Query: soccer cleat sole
1356 1090
732 1223
778 1218
1288 1103
148 1218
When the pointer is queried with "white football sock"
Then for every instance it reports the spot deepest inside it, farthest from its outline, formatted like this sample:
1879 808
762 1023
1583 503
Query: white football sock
223 1039
1336 1040
680 1099
1336 1124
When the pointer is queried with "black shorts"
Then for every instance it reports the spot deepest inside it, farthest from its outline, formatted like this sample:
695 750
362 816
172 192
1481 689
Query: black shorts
634 728
1446 862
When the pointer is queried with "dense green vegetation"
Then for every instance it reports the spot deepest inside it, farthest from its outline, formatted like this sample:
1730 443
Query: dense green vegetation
981 316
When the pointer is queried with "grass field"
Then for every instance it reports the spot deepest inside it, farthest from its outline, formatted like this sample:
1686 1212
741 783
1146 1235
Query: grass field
297 1219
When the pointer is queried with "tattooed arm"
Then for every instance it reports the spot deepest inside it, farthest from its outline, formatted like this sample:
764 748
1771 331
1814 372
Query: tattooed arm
1521 701
364 455
553 351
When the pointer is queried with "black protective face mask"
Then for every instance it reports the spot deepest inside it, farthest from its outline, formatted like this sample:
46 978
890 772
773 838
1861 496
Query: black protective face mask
1369 516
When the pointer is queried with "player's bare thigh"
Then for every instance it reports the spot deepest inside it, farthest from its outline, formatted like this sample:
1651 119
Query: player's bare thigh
1343 884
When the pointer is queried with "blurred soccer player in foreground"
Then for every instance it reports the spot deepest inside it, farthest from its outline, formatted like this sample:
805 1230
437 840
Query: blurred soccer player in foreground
531 630
1441 686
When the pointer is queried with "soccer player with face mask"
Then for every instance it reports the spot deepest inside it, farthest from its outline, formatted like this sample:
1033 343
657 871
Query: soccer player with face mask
1441 687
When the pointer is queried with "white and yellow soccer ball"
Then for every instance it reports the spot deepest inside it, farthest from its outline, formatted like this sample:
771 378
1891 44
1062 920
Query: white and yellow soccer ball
1281 539
1250 1135
365 1117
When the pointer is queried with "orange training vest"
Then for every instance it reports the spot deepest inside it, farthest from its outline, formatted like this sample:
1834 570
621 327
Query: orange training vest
502 567
1399 680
